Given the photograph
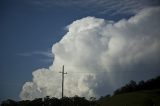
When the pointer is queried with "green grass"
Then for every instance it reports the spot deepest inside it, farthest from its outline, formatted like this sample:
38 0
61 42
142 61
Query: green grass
141 98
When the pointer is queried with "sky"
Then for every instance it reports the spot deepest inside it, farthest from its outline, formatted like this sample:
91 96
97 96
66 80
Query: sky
102 43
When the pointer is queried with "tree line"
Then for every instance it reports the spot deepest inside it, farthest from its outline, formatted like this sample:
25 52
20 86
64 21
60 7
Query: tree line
47 101
142 85
82 101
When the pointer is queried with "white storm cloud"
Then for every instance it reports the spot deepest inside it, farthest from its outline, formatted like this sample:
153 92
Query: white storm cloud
92 49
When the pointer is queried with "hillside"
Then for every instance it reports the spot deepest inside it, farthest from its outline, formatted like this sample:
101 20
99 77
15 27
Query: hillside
139 98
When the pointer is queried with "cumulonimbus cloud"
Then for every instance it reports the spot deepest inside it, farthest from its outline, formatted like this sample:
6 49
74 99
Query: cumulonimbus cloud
92 49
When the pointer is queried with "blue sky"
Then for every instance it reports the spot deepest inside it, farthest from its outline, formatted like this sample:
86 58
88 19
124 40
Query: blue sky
29 28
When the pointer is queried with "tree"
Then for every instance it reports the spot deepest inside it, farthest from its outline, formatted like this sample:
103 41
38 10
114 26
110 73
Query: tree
9 102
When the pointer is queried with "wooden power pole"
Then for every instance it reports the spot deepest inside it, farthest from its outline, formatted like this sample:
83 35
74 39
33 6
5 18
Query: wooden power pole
63 79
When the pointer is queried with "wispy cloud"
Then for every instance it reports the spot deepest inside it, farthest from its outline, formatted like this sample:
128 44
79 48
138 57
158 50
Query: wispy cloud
100 6
48 56
42 53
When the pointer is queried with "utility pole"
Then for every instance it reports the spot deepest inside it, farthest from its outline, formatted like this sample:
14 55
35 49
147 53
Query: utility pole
63 79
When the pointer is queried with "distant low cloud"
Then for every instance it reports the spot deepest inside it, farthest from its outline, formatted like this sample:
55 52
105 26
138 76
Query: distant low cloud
94 51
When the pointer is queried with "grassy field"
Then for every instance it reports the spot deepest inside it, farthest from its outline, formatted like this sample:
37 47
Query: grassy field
141 98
